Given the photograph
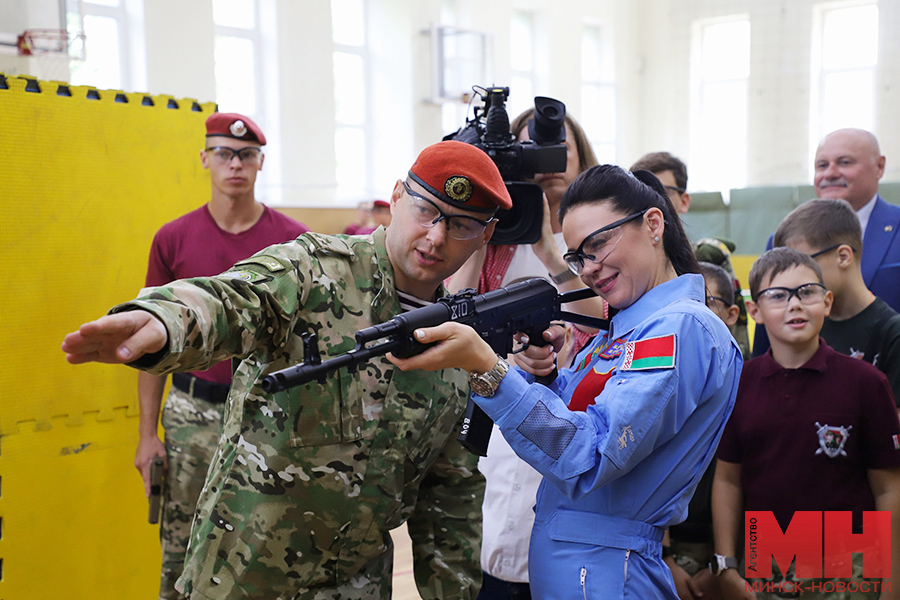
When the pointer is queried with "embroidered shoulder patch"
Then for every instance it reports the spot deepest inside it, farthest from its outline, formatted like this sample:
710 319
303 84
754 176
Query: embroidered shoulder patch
606 350
652 353
248 276
613 350
269 262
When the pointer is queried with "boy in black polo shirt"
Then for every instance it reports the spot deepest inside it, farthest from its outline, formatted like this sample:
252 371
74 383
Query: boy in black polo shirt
860 325
776 454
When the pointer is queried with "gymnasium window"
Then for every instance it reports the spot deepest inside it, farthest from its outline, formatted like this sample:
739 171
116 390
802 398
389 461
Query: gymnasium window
461 63
352 122
844 57
720 72
598 92
236 56
246 62
113 44
521 62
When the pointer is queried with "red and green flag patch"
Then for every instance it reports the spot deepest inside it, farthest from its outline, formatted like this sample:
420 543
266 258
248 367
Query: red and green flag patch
652 353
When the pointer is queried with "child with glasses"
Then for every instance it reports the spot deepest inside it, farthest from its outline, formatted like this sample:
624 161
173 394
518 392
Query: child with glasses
720 293
812 430
860 325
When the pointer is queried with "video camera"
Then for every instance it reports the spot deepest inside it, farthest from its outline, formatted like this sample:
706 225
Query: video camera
545 153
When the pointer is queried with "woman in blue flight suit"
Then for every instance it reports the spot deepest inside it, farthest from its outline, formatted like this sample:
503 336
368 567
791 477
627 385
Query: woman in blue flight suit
624 436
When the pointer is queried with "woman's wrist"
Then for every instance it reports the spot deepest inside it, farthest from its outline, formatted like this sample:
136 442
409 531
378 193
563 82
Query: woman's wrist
485 362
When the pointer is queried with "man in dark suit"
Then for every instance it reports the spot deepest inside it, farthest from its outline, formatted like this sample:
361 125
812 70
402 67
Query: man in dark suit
848 166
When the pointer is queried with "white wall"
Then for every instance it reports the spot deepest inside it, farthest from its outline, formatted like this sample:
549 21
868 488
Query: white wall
651 41
179 37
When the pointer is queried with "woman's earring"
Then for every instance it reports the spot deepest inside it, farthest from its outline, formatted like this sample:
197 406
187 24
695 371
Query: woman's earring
656 238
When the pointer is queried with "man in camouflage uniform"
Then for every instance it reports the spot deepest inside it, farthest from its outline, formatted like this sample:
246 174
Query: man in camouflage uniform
307 483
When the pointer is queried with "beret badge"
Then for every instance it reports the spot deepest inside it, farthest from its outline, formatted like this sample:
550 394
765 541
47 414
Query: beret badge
458 188
238 128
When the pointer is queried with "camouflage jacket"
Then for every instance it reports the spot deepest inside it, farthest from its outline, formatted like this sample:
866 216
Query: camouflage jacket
306 483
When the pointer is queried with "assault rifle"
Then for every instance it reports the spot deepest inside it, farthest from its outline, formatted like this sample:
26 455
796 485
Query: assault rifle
529 306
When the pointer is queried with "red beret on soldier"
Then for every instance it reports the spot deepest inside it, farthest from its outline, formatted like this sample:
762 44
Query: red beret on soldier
234 126
461 175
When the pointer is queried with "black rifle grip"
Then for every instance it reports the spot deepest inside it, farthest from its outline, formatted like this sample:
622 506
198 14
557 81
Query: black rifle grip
536 338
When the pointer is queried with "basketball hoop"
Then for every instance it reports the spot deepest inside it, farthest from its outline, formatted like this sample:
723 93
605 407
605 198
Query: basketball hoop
52 51
35 42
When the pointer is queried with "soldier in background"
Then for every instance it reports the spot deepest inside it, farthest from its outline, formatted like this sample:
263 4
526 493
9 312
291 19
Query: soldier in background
207 241
362 220
307 483
381 213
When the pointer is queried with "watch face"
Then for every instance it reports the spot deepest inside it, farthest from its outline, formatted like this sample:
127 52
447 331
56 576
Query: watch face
485 384
481 387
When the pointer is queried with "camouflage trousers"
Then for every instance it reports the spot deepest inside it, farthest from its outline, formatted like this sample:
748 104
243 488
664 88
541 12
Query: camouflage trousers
373 582
693 557
787 586
192 427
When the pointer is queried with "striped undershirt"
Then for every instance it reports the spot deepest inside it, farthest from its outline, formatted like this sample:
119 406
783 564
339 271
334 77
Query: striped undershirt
408 302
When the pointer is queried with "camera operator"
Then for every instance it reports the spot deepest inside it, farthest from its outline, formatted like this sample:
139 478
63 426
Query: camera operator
511 482
495 266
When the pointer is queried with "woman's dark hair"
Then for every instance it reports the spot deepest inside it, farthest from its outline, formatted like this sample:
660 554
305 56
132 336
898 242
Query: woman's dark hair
629 193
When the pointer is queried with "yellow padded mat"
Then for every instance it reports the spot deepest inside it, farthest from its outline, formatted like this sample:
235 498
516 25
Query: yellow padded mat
86 180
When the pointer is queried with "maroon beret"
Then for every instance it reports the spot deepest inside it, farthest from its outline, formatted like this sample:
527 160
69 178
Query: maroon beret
381 204
234 126
461 175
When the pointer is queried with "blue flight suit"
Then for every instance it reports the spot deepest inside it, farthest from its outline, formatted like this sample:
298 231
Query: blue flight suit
619 472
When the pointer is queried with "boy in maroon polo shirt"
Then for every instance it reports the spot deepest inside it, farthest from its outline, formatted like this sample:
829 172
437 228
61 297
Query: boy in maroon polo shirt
776 453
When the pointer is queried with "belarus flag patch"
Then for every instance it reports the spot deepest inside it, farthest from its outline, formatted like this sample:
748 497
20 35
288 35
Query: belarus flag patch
652 353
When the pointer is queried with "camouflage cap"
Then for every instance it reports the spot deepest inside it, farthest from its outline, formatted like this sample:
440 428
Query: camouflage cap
462 176
234 126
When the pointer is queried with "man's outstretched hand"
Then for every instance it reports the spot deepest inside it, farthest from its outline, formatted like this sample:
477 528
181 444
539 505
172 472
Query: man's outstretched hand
116 339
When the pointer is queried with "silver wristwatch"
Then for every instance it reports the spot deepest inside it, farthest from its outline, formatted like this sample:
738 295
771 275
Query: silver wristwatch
485 384
722 564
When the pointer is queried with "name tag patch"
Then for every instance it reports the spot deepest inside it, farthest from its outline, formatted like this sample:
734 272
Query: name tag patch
270 263
248 276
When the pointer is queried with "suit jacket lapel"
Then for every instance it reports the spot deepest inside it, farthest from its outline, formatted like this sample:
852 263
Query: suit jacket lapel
878 235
